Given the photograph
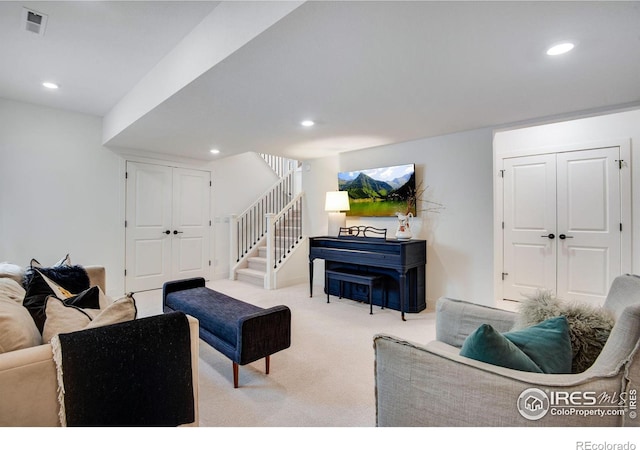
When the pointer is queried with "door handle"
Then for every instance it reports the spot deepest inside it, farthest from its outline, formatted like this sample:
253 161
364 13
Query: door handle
564 236
167 232
176 231
550 236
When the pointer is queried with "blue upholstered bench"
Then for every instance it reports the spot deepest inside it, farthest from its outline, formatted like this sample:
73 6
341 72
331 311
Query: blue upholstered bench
242 332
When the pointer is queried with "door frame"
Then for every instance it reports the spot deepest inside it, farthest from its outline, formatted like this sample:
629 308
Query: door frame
498 191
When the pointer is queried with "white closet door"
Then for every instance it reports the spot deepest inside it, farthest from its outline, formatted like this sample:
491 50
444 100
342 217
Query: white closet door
589 220
529 225
148 216
562 218
190 232
167 232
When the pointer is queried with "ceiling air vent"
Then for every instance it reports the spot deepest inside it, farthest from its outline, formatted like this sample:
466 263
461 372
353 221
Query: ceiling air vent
33 21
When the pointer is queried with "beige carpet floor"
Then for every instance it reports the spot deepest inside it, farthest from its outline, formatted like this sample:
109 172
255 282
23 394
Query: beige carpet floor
325 379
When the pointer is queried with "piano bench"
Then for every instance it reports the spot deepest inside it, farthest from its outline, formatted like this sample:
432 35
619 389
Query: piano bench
350 276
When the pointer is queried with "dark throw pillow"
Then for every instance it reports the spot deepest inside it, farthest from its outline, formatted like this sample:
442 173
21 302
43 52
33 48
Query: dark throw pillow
40 287
72 278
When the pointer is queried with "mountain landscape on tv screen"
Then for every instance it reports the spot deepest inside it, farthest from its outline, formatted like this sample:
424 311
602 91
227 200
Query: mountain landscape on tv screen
378 192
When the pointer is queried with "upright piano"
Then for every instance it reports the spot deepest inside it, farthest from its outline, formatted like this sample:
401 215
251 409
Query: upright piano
401 262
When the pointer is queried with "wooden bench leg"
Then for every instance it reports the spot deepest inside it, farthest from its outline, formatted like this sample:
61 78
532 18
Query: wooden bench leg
267 361
235 374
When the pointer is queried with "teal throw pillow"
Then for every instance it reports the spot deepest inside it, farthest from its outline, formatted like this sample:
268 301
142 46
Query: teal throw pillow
548 344
487 345
542 348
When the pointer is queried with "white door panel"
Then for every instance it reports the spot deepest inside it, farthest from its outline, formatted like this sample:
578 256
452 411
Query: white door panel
151 254
189 256
530 266
190 198
529 199
586 273
589 258
148 216
191 221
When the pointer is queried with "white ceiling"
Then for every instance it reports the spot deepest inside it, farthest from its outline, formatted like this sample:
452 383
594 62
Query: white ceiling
96 51
369 73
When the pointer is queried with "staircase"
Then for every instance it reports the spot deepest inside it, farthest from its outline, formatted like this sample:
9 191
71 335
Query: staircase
285 240
256 272
269 231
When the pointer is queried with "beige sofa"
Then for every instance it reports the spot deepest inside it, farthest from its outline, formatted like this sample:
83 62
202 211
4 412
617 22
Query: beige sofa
28 383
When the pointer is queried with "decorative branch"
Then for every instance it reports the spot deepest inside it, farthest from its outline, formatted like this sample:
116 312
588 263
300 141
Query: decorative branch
416 199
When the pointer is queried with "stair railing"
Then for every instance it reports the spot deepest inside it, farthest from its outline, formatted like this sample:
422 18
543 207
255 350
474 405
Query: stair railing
284 233
248 229
279 164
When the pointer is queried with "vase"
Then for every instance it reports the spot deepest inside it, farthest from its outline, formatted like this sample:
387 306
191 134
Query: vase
403 232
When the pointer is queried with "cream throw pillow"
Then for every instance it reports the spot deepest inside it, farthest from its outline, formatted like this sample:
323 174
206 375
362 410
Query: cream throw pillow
104 300
17 328
121 310
62 318
11 290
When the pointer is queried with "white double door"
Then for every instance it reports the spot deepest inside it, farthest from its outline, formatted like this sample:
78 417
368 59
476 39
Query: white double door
562 224
167 225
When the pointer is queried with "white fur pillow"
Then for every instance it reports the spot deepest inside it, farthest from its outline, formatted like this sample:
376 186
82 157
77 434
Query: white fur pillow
63 318
8 270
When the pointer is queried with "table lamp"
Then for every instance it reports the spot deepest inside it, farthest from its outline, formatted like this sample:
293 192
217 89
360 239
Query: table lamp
335 202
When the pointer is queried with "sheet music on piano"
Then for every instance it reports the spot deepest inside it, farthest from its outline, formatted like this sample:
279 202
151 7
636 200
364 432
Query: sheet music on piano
361 231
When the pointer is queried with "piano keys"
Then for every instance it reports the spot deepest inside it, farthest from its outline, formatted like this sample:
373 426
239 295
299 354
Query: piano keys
401 262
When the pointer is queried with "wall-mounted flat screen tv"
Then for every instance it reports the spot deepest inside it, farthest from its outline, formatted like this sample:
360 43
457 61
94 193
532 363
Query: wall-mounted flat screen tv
379 192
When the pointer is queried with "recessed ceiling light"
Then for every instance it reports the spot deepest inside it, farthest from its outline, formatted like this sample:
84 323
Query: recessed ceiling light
559 49
214 151
307 123
50 85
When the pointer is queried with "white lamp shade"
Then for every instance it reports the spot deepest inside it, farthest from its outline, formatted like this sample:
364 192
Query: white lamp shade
337 201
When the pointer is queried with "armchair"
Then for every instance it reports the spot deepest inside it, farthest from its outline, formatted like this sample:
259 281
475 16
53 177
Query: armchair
432 385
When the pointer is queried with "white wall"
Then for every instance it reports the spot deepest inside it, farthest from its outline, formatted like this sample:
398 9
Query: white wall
59 191
318 177
582 133
458 170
